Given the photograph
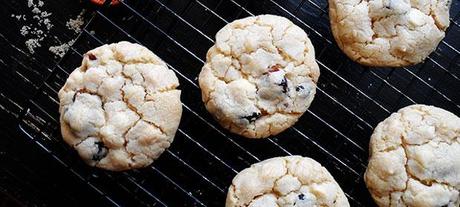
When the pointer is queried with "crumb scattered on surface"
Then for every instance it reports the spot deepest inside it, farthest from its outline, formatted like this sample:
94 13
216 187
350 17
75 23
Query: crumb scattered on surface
39 29
19 17
33 43
60 50
25 30
77 23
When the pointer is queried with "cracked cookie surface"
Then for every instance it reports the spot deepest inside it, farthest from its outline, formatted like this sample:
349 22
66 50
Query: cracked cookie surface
260 76
415 159
291 181
389 33
120 109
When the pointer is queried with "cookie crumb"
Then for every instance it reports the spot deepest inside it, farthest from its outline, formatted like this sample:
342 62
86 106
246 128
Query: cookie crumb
60 50
40 28
25 30
19 17
37 30
77 23
31 44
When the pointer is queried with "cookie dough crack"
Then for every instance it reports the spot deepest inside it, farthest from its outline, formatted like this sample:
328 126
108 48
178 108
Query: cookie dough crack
134 109
126 142
406 166
412 176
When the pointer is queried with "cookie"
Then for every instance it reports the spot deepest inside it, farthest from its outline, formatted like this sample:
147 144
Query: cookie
260 76
120 109
415 158
390 33
285 181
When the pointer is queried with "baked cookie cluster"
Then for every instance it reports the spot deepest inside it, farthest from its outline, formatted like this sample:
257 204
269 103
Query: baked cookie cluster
260 76
120 109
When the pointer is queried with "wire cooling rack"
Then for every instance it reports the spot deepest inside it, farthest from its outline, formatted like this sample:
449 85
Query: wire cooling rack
200 164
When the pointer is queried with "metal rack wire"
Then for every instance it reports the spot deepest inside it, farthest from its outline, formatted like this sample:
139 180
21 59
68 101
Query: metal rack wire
204 157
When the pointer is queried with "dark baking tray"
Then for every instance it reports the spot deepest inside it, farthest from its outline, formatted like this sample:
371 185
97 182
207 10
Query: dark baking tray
199 166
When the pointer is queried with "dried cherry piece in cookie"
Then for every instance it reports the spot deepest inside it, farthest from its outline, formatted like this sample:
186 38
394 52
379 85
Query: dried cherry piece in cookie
274 68
91 56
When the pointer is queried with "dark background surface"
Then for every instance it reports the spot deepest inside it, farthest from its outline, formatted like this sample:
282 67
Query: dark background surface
27 176
37 168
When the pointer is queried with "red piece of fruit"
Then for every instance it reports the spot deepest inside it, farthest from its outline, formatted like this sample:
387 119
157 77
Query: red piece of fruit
101 2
